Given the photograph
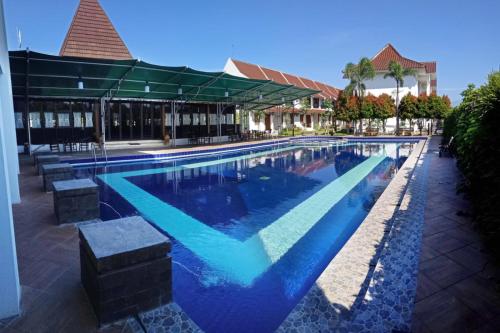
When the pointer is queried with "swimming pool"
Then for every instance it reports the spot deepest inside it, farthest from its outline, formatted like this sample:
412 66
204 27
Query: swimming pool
251 231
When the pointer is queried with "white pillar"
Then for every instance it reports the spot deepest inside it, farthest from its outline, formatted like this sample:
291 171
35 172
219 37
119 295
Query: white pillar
9 189
7 113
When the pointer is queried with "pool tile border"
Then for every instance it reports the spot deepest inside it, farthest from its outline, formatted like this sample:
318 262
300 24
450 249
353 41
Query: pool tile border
370 284
200 151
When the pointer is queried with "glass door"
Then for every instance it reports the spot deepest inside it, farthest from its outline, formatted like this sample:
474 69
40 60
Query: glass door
147 121
126 133
136 122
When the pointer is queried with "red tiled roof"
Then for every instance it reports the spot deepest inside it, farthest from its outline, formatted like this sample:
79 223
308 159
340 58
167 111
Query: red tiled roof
276 76
250 70
295 80
92 35
258 72
430 66
382 59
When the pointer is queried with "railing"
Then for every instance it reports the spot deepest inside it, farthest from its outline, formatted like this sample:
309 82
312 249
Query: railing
104 152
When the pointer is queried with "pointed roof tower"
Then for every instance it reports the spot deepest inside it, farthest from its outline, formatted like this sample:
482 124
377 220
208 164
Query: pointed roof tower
92 35
382 59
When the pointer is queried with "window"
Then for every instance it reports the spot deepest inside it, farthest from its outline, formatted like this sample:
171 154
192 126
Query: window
196 119
18 116
203 118
316 103
213 119
89 119
35 120
230 119
77 119
63 119
186 119
50 122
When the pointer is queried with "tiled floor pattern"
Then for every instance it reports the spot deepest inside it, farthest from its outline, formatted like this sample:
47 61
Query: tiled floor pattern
458 282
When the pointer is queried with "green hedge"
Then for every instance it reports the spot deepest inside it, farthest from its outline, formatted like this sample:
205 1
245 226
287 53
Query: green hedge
475 124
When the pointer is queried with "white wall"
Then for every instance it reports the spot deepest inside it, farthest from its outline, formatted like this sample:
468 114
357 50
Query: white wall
9 189
379 86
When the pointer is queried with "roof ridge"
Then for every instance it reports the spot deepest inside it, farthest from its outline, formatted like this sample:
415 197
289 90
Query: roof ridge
265 75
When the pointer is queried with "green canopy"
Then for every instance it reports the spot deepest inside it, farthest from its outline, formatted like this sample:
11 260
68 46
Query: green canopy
41 75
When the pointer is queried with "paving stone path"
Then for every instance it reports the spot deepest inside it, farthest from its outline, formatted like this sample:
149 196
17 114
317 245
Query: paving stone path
458 282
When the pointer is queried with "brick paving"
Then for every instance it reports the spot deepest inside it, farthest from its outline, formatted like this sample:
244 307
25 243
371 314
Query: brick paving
53 299
458 282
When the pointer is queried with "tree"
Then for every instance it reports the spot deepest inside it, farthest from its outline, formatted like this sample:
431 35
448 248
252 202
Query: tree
386 108
369 108
328 106
398 72
408 108
357 75
257 116
422 111
438 108
341 109
305 105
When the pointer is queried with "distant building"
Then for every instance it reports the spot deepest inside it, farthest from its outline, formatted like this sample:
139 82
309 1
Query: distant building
278 118
425 81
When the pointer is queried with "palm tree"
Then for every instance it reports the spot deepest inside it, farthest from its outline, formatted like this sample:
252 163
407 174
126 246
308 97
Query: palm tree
397 72
358 74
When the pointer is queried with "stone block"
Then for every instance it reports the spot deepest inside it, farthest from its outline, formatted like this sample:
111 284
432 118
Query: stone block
76 200
55 172
36 154
46 159
125 267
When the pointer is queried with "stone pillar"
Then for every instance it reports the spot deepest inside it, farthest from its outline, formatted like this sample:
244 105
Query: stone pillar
76 200
125 267
55 172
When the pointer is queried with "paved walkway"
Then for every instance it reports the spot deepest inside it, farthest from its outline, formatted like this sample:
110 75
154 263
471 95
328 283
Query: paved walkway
458 283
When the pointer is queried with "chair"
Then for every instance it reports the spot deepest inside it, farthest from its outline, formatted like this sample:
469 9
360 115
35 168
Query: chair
67 146
84 145
446 148
54 147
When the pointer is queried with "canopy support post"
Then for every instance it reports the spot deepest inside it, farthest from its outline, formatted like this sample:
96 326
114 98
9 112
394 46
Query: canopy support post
173 123
102 115
26 102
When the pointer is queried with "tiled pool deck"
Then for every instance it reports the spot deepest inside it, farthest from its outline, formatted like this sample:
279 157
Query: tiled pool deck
456 290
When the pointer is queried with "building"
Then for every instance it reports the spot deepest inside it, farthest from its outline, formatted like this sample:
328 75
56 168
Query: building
425 81
280 117
96 91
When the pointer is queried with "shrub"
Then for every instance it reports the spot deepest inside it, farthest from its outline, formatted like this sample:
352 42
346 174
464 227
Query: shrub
474 124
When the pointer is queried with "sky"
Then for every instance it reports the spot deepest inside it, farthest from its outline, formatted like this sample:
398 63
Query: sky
312 38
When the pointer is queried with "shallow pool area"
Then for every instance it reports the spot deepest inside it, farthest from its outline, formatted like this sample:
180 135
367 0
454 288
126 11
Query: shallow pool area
251 231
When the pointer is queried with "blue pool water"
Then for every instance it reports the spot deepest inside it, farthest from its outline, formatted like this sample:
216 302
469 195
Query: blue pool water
251 231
